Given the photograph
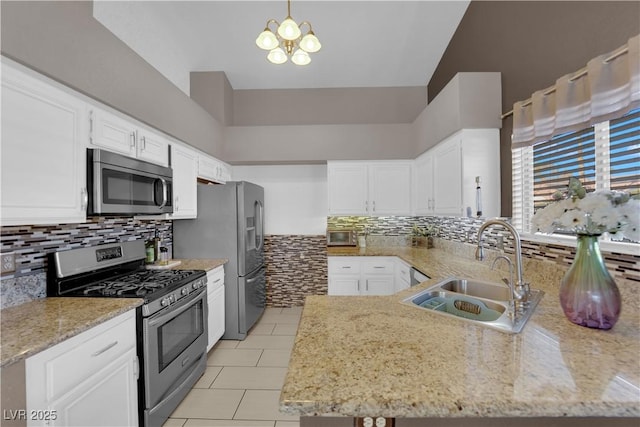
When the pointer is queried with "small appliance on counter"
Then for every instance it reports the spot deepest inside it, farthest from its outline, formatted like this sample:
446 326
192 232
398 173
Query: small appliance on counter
341 237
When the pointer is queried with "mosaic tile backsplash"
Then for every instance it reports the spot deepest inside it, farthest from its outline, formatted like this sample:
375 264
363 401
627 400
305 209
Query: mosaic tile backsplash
32 243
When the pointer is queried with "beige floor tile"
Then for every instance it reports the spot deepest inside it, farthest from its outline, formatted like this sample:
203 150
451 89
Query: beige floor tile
285 329
272 342
257 378
261 405
234 357
280 318
207 378
293 310
209 403
287 424
174 422
225 344
272 310
262 328
275 358
227 423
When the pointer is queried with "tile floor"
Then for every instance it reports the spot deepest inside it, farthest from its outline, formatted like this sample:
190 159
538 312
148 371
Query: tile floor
241 386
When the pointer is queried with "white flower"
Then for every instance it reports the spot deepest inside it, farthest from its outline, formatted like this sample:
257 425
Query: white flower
572 219
594 201
606 217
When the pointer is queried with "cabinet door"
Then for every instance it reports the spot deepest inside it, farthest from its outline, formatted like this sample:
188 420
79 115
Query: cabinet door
390 189
113 133
86 404
347 188
344 285
447 185
42 153
152 147
378 284
184 163
216 316
423 185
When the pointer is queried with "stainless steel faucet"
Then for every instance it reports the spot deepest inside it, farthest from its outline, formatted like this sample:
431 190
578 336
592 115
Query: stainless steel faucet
520 290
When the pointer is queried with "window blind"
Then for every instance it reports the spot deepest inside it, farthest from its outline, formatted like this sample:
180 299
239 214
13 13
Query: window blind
560 158
624 153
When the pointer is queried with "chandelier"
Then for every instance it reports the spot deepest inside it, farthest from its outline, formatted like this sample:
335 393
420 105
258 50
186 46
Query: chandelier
287 41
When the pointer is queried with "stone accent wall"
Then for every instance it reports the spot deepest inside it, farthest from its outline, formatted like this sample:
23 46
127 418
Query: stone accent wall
32 243
296 267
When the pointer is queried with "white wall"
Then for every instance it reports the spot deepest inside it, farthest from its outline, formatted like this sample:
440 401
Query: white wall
295 196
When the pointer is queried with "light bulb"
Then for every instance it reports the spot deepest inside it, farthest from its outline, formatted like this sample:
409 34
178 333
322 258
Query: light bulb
289 30
310 43
267 40
300 57
277 56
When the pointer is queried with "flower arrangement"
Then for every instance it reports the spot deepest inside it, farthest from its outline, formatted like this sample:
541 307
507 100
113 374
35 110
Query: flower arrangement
429 230
594 213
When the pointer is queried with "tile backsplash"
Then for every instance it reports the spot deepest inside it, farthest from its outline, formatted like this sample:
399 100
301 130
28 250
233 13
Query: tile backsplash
32 243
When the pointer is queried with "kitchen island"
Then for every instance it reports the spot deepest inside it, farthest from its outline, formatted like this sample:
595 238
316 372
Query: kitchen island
377 357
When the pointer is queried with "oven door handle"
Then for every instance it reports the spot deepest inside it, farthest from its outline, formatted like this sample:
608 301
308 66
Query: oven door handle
177 309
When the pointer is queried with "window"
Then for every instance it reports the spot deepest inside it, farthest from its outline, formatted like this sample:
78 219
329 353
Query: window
605 156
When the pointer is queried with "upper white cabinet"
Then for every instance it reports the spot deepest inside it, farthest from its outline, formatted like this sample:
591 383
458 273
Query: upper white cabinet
43 163
212 169
184 162
369 188
445 176
72 381
127 137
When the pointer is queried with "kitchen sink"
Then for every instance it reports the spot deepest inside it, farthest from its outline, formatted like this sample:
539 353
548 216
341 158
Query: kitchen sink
482 303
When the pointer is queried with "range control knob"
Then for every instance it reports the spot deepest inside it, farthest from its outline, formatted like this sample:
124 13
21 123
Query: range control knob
172 298
184 291
195 285
164 302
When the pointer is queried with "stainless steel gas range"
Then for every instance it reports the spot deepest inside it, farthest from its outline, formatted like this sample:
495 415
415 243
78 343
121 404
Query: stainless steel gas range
171 324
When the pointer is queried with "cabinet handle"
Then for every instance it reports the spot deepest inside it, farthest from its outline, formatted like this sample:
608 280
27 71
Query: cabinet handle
366 288
144 143
346 267
132 140
378 266
374 205
366 206
217 280
358 285
91 126
99 352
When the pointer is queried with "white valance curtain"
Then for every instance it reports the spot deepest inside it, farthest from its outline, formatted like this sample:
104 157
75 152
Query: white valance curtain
608 87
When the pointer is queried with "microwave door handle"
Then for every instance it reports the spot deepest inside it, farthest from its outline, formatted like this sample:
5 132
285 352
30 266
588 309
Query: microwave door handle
164 193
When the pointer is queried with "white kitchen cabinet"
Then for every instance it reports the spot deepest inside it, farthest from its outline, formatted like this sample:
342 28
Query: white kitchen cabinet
184 162
369 188
126 136
215 301
71 382
212 169
42 150
403 275
361 275
445 176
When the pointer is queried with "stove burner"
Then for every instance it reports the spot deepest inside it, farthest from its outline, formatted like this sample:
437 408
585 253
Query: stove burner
138 284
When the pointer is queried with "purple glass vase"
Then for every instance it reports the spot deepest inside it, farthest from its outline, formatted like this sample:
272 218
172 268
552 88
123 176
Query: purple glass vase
588 294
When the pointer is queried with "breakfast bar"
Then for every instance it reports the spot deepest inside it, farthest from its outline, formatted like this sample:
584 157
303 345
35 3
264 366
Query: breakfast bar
373 356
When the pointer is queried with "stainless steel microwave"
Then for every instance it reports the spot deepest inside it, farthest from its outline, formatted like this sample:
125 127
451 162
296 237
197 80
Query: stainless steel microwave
121 185
341 238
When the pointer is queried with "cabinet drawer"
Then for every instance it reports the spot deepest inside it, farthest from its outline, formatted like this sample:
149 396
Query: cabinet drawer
346 265
69 363
381 266
215 279
403 271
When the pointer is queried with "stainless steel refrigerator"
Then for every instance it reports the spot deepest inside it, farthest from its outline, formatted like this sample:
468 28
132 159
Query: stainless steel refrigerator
230 224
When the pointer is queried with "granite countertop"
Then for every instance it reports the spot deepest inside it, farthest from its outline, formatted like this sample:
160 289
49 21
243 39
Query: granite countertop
374 356
37 325
199 264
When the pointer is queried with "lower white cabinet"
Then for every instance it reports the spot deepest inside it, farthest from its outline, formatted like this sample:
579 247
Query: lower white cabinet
215 301
361 275
87 380
403 275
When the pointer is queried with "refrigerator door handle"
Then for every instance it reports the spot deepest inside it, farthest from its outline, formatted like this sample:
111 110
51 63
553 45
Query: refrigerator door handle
259 224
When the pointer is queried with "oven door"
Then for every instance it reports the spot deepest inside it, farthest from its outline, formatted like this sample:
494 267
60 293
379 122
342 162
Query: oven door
174 345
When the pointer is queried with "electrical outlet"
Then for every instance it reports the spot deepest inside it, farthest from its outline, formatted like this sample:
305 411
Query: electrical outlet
8 262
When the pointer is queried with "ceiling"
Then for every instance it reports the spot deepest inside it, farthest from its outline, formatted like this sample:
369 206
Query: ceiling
364 43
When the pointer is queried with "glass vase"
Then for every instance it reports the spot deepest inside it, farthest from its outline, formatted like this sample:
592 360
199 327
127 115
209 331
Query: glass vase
588 294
